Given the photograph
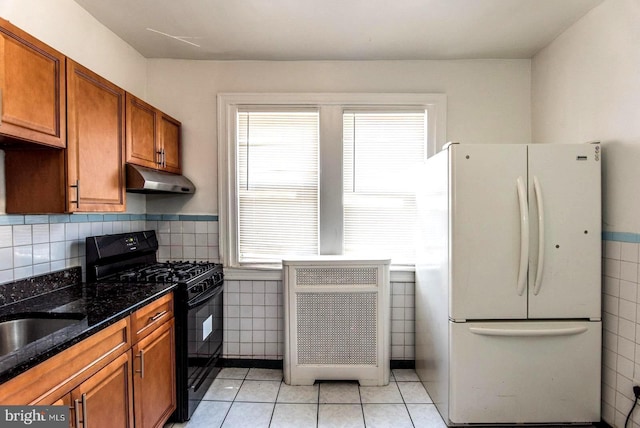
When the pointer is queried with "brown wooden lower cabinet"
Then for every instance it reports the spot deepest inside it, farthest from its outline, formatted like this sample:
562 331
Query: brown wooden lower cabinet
105 399
154 381
104 381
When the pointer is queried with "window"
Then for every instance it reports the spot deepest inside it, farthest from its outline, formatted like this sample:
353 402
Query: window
308 174
277 184
382 152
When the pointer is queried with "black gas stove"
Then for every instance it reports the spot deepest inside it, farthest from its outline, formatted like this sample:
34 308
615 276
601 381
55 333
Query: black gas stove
169 271
131 258
195 277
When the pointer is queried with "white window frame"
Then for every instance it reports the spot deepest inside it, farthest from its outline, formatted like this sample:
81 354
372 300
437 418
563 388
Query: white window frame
331 106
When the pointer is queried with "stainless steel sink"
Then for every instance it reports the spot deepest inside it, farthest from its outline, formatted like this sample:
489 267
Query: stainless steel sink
16 333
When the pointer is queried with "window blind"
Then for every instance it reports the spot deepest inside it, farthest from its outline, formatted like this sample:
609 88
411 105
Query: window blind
277 184
381 153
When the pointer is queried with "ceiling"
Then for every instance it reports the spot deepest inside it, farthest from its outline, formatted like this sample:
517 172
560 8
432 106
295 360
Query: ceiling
338 29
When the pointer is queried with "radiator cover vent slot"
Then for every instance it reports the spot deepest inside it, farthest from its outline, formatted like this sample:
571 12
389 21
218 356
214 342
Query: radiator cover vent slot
347 333
337 317
336 276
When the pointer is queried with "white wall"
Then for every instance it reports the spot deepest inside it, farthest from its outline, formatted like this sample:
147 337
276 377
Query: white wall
68 28
586 87
488 102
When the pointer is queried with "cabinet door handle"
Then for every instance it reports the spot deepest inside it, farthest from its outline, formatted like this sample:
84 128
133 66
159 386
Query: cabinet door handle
156 317
141 371
76 409
159 157
164 159
77 412
77 187
84 409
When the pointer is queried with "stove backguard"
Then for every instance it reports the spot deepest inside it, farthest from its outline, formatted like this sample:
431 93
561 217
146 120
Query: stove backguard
108 254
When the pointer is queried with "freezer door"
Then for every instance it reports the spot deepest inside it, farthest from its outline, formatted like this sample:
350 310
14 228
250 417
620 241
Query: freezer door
489 229
525 372
565 252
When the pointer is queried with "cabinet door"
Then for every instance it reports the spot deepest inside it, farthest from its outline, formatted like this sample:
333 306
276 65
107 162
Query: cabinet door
32 85
488 253
105 399
169 137
95 167
564 275
142 146
154 377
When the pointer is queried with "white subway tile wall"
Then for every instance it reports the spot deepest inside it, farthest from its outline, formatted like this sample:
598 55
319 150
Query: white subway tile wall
186 240
621 337
58 242
36 249
254 320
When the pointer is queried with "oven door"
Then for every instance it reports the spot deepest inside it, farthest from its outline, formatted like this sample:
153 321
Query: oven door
204 343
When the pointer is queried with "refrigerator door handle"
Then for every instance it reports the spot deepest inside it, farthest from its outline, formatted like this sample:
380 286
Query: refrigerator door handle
524 235
524 332
538 190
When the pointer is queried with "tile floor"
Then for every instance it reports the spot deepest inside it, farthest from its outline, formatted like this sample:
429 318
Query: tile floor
242 397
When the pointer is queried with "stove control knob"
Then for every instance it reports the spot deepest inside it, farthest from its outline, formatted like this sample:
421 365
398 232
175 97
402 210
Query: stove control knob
197 288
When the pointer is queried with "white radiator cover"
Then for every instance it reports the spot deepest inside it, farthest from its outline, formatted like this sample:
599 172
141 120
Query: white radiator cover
337 320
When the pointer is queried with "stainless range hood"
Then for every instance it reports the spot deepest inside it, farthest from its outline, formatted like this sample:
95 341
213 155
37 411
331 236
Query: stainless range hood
147 180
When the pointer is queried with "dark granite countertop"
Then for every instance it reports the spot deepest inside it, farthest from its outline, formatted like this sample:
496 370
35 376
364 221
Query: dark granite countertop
61 295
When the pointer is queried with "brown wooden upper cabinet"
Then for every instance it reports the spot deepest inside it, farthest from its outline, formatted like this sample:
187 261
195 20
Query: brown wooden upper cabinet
32 89
153 137
89 175
95 127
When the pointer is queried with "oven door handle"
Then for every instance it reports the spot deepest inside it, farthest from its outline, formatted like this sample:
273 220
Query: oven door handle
204 297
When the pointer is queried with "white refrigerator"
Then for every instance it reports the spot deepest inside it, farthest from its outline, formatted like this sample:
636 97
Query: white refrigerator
508 283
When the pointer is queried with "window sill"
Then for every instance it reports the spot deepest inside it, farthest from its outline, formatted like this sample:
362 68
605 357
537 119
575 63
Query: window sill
274 273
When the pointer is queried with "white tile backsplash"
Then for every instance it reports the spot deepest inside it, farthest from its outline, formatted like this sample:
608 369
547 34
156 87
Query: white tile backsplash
176 252
201 228
629 271
612 249
22 256
6 236
621 336
629 252
6 259
35 249
41 269
56 232
189 239
84 230
23 272
40 254
189 252
22 235
176 239
40 233
188 227
96 229
254 320
71 231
